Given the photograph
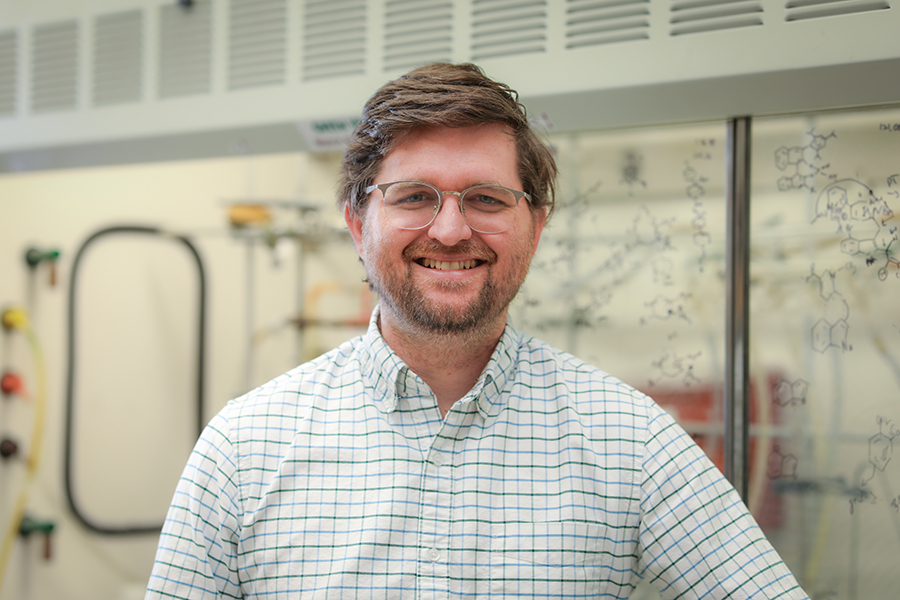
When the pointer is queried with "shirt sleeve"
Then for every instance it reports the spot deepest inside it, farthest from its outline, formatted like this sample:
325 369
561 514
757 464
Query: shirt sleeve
697 539
197 553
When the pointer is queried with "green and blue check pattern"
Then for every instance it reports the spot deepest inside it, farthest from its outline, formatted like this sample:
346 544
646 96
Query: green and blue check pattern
550 479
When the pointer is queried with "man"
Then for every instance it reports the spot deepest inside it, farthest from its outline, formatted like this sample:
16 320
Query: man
444 454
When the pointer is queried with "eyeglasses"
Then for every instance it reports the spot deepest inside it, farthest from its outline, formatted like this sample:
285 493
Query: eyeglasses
415 205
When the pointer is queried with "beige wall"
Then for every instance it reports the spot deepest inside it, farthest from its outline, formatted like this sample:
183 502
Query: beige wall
136 337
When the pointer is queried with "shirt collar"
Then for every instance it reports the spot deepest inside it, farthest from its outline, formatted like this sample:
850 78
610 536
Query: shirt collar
389 379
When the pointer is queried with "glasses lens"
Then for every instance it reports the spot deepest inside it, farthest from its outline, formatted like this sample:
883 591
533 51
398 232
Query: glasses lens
411 204
489 208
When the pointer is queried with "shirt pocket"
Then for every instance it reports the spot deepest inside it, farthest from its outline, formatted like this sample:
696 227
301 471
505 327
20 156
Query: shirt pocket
550 558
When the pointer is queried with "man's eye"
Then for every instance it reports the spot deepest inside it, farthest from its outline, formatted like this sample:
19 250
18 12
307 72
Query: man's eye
411 199
489 200
486 200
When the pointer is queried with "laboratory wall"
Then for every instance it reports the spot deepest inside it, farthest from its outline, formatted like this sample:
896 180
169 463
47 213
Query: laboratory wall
135 342
630 275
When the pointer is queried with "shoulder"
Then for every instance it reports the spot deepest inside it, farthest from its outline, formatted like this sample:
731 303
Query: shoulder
563 382
540 364
280 403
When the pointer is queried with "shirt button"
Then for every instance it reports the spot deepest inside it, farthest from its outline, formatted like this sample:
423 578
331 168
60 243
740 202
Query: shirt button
438 459
434 554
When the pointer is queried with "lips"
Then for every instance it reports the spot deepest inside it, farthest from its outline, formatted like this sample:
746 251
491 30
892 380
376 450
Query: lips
449 265
463 256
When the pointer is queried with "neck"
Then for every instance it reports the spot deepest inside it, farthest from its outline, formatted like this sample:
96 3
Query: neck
450 363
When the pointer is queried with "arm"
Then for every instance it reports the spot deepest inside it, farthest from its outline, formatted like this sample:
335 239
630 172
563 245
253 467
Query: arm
197 554
697 538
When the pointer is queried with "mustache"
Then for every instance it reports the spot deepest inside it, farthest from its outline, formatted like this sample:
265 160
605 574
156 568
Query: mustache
465 249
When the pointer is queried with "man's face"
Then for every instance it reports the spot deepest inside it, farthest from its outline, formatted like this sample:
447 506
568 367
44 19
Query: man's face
447 277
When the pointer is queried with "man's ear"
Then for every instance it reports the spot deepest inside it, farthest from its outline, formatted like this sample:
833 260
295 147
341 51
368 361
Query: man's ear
355 225
539 218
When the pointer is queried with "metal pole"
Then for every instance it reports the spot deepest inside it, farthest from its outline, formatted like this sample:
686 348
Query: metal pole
737 313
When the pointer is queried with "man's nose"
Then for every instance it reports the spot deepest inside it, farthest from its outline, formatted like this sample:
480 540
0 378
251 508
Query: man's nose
449 226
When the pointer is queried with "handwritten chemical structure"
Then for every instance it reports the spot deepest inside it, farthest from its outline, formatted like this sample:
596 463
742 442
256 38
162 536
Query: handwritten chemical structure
675 367
781 466
866 219
695 190
790 393
832 328
663 308
802 163
632 169
881 451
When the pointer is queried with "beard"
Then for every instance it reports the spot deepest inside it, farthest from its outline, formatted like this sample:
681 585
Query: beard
406 298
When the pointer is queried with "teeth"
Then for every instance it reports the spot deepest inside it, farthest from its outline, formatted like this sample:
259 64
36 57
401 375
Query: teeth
448 266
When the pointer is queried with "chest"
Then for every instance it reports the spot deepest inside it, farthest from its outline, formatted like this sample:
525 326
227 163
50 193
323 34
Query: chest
450 506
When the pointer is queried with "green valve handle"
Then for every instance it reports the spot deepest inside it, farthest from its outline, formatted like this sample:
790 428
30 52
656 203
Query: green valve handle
30 525
35 256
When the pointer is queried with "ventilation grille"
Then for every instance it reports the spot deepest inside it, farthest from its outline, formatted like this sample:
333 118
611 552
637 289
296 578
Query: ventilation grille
417 32
185 50
118 58
334 38
508 27
801 10
595 22
258 40
54 68
700 16
9 57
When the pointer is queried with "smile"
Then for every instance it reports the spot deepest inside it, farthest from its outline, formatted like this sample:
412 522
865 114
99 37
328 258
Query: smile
449 266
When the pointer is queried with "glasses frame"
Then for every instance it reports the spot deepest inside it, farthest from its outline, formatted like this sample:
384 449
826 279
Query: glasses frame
459 196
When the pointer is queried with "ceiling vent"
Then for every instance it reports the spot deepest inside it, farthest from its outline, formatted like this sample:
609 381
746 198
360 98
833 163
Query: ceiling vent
701 16
258 43
118 58
508 28
596 22
334 35
417 32
54 67
185 50
9 57
801 10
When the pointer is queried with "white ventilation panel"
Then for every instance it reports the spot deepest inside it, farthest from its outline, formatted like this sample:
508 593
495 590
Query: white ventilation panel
798 10
417 32
257 43
118 58
595 22
54 67
124 80
508 28
185 50
9 71
703 16
334 38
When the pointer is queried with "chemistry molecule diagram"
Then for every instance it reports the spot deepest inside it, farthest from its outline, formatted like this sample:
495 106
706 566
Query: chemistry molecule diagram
675 367
866 220
832 327
613 259
881 451
695 190
781 465
790 393
631 171
802 164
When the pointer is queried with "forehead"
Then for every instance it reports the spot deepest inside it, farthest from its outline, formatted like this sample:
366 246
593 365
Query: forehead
451 157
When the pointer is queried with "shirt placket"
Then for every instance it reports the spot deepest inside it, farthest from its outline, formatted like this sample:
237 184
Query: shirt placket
436 552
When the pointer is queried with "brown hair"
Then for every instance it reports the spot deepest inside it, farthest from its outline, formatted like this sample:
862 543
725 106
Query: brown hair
442 95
